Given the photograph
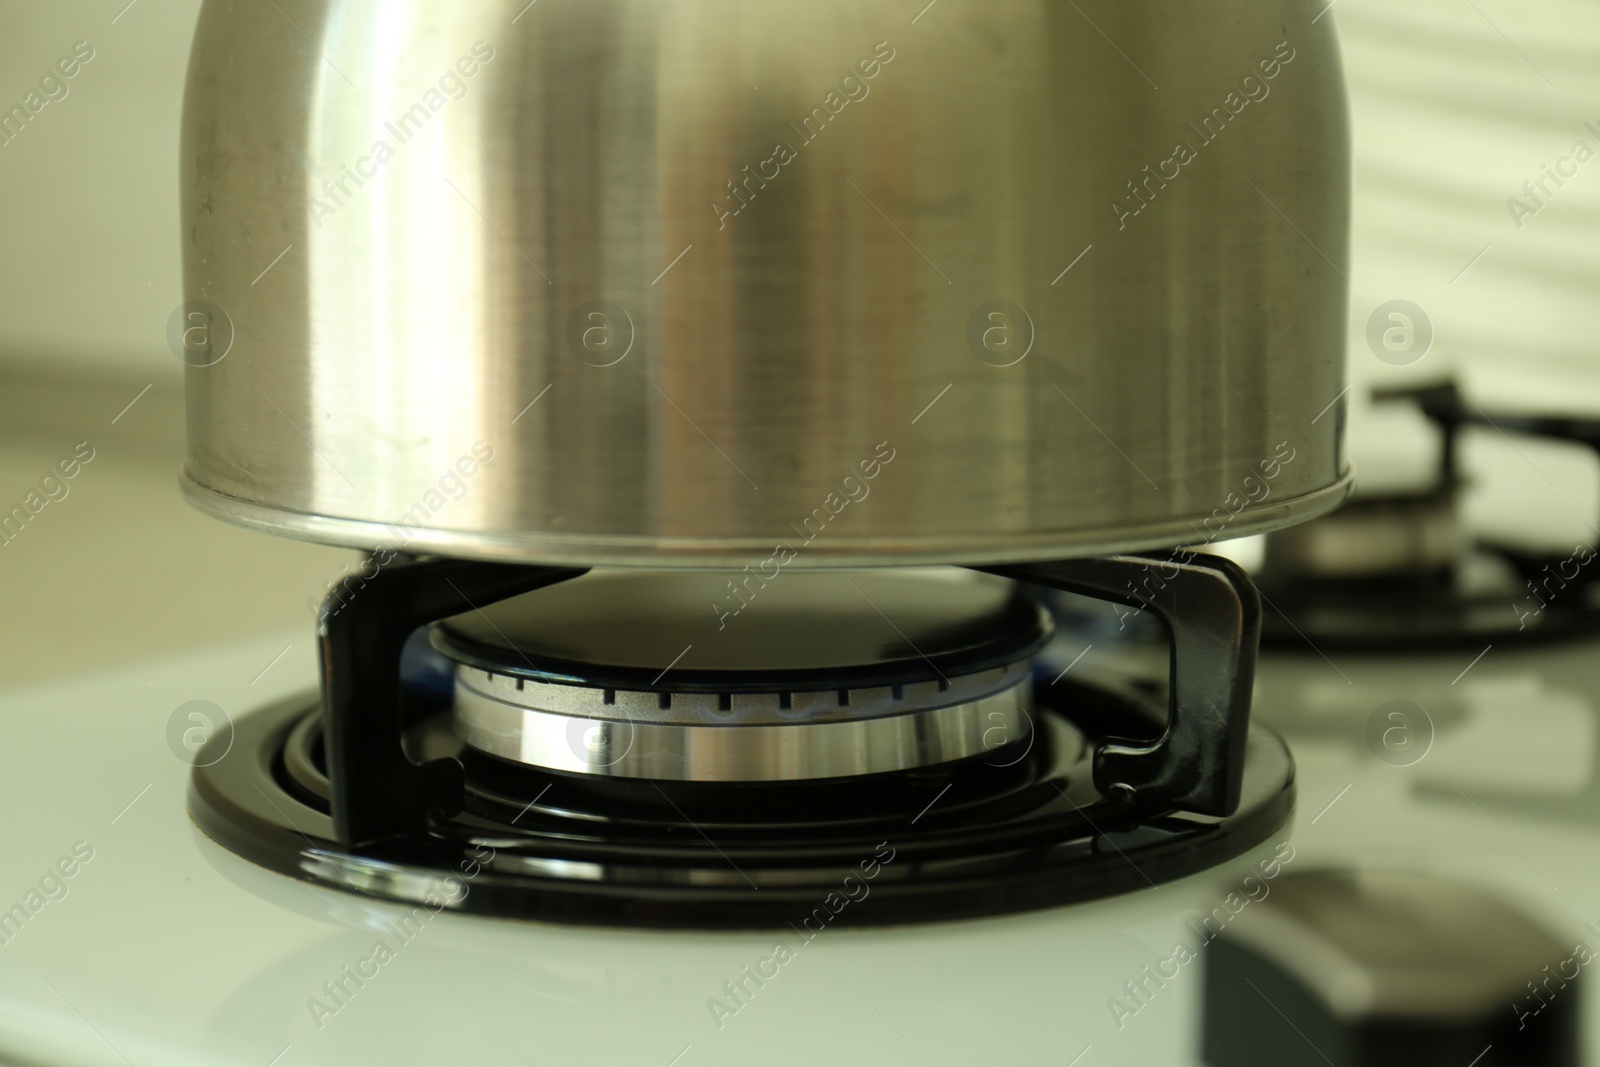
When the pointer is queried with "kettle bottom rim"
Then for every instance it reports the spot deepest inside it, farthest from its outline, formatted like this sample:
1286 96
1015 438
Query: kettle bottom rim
835 551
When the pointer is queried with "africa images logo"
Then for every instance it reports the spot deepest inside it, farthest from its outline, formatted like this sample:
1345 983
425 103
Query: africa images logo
1142 192
739 992
743 590
1141 990
453 84
53 88
854 87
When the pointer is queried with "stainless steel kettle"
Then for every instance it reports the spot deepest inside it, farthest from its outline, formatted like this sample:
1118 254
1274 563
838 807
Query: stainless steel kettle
707 282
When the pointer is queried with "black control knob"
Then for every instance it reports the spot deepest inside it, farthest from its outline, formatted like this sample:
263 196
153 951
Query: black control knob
1359 969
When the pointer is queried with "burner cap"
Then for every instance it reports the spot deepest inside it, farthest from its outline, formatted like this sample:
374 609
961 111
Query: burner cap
815 675
716 631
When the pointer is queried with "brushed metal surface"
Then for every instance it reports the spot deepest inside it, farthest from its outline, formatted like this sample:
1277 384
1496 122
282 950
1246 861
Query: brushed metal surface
404 218
624 746
743 709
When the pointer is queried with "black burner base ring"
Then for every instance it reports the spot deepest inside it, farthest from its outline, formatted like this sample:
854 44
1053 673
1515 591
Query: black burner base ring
988 839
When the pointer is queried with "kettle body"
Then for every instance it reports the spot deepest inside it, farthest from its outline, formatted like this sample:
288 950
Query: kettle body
704 282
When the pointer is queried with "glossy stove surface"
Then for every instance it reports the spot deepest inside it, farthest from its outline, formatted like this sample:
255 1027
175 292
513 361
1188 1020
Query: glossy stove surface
167 949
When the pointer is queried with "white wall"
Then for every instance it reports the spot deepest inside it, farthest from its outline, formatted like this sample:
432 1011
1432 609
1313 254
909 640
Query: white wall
68 300
1455 105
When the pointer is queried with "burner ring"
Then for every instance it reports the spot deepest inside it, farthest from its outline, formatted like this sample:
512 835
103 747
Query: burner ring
745 736
629 675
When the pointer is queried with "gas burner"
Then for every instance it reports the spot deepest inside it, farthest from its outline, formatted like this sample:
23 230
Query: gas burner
882 726
1399 572
817 680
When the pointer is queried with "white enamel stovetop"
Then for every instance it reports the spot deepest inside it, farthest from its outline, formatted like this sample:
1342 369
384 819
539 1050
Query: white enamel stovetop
166 950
